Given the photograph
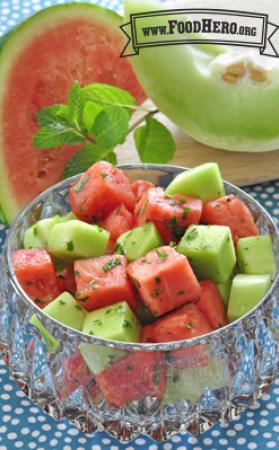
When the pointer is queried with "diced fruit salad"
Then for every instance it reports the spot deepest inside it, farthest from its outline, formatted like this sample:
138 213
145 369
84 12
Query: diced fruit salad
133 262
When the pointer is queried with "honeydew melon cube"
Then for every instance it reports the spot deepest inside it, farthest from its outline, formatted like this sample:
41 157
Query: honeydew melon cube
64 309
38 234
210 251
116 323
255 256
75 240
225 289
204 182
138 241
246 292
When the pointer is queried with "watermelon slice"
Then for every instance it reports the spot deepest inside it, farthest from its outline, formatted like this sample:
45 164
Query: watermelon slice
39 61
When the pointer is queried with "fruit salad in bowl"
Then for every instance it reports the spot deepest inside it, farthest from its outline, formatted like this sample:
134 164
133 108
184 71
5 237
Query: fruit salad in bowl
142 299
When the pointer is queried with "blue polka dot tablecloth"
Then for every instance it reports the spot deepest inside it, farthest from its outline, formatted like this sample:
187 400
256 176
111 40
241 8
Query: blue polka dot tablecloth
24 426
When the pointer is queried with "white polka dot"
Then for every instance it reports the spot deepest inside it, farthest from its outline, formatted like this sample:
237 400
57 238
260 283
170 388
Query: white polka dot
193 440
223 441
176 439
271 444
165 447
75 431
140 441
207 441
241 441
252 445
263 422
25 431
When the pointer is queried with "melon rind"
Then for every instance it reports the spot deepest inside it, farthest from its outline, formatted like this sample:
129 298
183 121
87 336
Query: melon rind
12 44
181 81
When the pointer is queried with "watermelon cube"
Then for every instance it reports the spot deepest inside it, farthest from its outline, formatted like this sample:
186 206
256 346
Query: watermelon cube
232 212
211 305
170 213
246 292
35 272
76 239
204 182
103 281
185 323
134 377
210 251
139 241
140 187
119 221
255 256
99 191
164 280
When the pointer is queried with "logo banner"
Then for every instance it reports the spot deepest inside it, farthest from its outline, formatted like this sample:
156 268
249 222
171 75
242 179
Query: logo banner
200 26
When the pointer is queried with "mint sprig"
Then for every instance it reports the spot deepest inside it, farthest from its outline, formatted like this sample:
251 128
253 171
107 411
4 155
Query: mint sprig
98 116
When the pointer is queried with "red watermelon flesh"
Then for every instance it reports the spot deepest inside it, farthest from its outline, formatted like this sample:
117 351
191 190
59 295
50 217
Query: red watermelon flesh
83 44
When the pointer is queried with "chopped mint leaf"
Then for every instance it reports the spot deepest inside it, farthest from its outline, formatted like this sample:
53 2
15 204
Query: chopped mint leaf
70 246
113 262
62 302
189 326
192 235
80 185
162 255
157 280
98 322
186 211
120 248
154 142
126 324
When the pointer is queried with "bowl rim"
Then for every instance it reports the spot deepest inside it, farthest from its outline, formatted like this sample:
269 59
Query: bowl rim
128 346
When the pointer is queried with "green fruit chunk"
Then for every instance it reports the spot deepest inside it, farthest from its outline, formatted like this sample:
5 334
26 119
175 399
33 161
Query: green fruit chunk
37 236
138 242
116 323
75 239
214 93
255 256
210 251
246 292
64 309
225 289
204 182
189 383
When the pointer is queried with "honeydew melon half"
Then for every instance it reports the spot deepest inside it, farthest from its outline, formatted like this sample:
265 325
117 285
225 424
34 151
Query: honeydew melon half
225 97
39 62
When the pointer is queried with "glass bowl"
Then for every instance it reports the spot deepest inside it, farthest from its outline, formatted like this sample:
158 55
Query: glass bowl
156 389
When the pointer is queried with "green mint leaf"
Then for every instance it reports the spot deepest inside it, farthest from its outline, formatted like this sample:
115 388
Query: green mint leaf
52 115
90 112
111 157
107 95
87 156
111 127
76 104
56 135
154 142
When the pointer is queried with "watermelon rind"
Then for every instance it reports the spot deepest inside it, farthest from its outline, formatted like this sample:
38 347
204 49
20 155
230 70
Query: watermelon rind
12 44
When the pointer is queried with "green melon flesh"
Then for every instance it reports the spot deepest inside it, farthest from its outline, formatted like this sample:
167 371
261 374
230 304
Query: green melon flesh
246 292
75 239
255 255
185 82
64 309
210 251
39 62
138 242
117 323
204 182
189 384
